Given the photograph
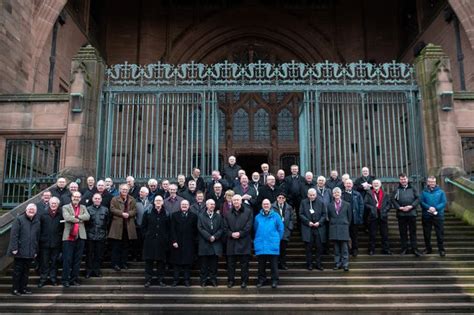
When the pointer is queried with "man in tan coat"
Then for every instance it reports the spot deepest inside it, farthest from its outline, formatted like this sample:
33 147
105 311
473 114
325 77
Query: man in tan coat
122 229
74 237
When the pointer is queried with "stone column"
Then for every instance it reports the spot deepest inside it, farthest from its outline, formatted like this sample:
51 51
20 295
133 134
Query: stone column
81 137
442 141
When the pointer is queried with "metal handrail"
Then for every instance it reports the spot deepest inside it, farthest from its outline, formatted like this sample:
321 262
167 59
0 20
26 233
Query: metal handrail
463 188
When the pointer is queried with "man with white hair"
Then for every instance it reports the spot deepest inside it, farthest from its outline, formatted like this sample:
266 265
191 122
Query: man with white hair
340 218
313 227
377 204
60 188
363 184
307 184
231 171
356 202
216 178
153 190
67 197
90 188
183 228
23 247
265 173
237 228
133 187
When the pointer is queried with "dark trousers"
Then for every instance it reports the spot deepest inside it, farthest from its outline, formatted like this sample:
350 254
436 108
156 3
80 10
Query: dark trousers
405 224
283 246
137 246
119 252
21 269
315 240
149 270
262 266
208 267
49 263
341 253
438 224
72 255
95 252
353 233
383 228
244 267
185 269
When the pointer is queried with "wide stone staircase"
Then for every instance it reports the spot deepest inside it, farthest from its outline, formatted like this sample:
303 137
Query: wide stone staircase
375 284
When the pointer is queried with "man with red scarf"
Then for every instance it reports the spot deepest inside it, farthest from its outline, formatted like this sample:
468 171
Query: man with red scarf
74 237
377 205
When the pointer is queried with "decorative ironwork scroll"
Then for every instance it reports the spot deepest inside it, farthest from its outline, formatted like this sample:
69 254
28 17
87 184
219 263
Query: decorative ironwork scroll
260 73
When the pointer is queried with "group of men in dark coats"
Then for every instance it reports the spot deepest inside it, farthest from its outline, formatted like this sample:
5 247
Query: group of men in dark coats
177 230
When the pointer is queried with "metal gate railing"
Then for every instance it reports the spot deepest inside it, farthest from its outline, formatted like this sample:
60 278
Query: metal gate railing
160 135
160 120
30 166
348 130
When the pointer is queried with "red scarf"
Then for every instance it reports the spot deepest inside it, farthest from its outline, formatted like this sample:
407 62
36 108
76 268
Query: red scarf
75 228
378 199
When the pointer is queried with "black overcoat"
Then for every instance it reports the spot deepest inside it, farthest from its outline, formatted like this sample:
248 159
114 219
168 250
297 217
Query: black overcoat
183 232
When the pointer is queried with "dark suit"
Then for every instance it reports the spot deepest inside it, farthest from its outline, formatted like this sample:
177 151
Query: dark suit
183 232
209 251
313 211
378 217
288 216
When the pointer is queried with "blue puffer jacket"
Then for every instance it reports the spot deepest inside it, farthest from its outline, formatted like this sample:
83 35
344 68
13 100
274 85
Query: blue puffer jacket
433 198
268 233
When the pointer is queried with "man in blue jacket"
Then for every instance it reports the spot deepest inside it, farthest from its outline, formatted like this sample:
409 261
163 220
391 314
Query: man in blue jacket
433 202
268 234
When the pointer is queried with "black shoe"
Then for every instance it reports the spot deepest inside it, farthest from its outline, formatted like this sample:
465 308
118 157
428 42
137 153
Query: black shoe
174 284
403 252
319 267
355 252
284 267
187 284
214 283
16 292
259 284
346 268
88 275
442 253
147 284
125 266
162 284
309 267
54 282
274 284
41 284
66 284
230 284
203 284
116 268
243 285
371 252
26 291
99 274
427 251
336 267
75 283
387 252
417 253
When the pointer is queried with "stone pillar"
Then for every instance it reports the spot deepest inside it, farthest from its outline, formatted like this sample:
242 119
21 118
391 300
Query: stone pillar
81 137
442 141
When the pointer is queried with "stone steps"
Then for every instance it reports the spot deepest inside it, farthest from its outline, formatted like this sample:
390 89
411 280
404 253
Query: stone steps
375 284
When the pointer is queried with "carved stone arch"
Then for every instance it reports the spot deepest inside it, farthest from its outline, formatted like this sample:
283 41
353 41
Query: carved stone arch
205 41
465 12
44 17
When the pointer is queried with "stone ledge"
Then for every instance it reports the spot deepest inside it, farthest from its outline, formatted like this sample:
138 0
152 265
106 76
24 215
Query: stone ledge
464 96
44 97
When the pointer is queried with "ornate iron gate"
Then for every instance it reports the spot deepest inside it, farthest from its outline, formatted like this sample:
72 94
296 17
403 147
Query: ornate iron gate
160 120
